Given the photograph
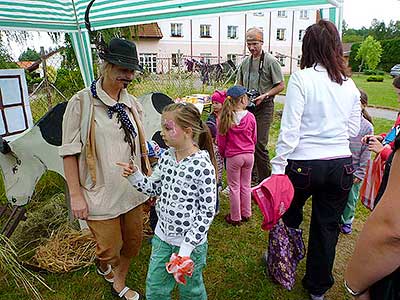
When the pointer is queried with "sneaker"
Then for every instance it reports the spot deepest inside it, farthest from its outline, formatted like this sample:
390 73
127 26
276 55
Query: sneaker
226 191
315 297
345 228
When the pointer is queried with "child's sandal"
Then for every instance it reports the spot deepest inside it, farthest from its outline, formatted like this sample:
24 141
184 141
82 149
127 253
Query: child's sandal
122 293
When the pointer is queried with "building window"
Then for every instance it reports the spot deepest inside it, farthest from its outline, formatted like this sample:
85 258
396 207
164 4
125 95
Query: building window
176 29
206 57
304 14
282 13
302 32
175 59
280 34
232 32
149 61
205 31
232 57
258 14
282 60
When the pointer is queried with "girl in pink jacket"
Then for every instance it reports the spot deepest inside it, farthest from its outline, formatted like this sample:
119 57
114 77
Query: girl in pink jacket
236 140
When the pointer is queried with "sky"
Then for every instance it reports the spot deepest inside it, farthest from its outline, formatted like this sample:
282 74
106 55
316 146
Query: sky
358 13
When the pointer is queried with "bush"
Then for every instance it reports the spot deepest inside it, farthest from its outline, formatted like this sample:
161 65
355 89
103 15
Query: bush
375 78
374 72
370 72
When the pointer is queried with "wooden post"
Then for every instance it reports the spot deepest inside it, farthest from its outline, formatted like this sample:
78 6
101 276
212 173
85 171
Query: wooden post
45 78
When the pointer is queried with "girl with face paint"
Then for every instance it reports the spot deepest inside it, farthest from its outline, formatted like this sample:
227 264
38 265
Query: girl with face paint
185 182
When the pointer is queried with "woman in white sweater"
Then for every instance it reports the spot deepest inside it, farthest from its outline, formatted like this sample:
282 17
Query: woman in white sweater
322 111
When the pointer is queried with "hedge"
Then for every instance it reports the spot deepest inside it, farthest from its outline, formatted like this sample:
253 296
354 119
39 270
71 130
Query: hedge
375 78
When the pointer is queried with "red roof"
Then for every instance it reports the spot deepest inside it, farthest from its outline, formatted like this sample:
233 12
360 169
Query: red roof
151 30
25 64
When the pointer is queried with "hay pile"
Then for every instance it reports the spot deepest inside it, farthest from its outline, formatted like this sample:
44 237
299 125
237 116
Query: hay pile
46 217
66 250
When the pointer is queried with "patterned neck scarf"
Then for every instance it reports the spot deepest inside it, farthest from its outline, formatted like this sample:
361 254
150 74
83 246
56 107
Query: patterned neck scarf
118 108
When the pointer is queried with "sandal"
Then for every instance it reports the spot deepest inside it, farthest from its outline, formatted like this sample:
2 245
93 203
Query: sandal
105 273
121 294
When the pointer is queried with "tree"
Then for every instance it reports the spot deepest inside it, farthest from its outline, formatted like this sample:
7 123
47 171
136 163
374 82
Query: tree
29 55
5 59
369 53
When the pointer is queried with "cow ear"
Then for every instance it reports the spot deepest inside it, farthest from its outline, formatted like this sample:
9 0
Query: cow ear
160 101
4 146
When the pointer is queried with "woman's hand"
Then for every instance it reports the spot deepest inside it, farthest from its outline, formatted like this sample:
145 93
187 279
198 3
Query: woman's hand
365 139
374 145
79 206
128 169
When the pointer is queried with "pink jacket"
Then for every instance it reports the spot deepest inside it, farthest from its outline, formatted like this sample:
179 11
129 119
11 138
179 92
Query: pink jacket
240 138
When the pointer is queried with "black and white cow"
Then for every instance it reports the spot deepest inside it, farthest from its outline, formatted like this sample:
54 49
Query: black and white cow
24 160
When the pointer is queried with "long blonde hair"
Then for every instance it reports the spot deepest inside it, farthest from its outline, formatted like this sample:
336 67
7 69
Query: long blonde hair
188 116
227 119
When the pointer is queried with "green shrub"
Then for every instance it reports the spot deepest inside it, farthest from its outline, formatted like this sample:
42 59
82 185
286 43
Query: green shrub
374 72
370 72
375 78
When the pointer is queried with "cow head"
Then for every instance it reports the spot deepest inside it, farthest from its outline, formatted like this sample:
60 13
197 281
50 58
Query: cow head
20 173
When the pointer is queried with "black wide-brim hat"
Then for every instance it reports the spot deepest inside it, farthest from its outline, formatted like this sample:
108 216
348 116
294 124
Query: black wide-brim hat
122 53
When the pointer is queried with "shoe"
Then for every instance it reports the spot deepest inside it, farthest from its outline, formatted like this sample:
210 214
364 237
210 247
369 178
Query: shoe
225 191
122 293
315 297
230 221
245 219
345 228
104 273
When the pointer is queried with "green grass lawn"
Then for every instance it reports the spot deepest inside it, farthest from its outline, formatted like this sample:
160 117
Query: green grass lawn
235 269
379 93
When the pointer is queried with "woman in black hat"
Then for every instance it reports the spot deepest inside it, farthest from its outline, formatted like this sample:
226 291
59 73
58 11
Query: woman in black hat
102 125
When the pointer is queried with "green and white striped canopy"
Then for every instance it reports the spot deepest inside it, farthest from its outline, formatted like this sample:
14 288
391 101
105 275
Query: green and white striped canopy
68 16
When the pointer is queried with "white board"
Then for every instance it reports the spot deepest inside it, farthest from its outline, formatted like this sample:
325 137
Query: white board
15 111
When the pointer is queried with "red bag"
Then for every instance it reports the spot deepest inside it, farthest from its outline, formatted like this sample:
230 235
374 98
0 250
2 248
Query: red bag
372 181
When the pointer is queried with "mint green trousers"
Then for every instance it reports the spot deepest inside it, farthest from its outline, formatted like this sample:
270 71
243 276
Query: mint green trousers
159 284
349 211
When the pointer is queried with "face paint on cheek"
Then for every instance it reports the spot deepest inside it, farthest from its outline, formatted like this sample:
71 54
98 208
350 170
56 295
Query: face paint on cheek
170 129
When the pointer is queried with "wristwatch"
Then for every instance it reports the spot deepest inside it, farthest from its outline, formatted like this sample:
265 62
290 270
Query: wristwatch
353 293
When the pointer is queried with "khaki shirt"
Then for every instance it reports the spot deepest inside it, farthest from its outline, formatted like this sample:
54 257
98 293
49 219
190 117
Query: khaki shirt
112 195
271 73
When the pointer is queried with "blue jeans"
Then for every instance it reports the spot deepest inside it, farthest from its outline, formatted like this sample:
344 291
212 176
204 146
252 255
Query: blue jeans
159 283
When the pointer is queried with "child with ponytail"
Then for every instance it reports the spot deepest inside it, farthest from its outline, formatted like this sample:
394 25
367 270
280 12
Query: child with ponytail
237 136
185 182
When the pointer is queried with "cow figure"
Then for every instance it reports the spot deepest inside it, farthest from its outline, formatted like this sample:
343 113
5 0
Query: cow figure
24 160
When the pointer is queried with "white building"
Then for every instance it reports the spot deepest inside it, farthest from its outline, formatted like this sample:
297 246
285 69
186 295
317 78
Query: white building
219 38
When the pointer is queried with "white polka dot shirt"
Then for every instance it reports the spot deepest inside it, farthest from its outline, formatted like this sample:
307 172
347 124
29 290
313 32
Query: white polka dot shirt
187 198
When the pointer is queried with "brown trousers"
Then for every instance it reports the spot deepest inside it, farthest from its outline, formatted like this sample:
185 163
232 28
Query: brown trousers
118 236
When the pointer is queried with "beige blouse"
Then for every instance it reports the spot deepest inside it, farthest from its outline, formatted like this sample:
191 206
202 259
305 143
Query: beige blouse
112 194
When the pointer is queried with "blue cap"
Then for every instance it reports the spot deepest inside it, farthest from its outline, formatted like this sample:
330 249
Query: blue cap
236 91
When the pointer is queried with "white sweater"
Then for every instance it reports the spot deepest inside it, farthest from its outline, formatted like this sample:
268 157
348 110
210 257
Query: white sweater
187 191
318 118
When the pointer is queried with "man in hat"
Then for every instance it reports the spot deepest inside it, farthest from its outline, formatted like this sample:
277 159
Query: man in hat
102 126
262 75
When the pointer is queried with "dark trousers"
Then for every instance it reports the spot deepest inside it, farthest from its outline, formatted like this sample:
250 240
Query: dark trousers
264 114
329 183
